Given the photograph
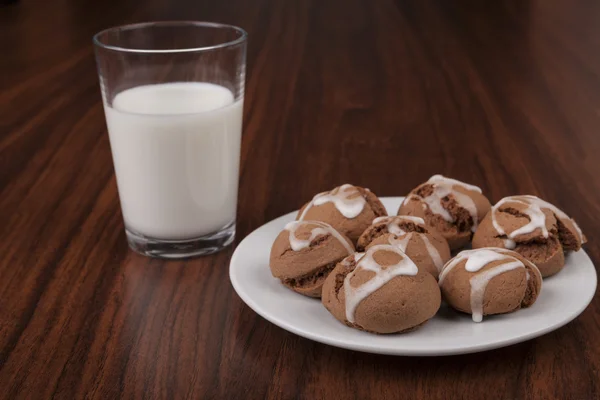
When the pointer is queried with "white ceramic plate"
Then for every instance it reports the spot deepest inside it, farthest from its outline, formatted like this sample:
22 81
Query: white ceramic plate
563 297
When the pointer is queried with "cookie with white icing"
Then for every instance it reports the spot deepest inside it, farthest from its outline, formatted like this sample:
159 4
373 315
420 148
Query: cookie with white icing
304 254
489 281
349 209
534 228
423 245
381 291
451 207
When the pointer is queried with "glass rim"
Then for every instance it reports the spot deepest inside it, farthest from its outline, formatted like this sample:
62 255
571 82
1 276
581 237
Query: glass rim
243 35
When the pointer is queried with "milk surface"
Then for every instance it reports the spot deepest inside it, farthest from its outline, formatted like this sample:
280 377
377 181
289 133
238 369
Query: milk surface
176 151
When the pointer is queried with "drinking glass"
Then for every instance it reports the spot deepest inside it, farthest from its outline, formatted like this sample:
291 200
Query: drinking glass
173 95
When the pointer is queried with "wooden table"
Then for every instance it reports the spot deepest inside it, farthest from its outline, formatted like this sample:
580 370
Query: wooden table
505 95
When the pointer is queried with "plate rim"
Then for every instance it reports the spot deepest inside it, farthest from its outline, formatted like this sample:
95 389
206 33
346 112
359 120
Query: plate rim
373 349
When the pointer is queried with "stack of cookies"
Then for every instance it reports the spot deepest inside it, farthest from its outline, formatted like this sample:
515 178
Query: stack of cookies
388 274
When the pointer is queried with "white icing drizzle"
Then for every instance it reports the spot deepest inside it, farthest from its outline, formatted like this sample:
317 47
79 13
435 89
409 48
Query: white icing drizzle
400 243
479 259
435 205
383 274
480 281
465 254
393 226
340 197
321 229
356 257
476 260
434 254
443 187
537 218
440 179
393 222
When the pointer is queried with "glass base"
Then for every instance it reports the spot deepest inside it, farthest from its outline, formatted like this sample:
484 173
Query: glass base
173 249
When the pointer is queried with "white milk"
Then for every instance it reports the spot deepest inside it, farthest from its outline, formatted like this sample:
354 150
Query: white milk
176 150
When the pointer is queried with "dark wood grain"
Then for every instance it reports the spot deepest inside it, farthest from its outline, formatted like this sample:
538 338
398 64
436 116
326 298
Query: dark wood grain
505 95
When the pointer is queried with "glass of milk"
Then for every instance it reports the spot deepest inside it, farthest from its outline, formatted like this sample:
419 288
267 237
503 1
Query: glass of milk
173 96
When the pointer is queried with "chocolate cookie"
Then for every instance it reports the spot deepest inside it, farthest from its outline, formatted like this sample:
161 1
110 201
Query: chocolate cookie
349 209
489 281
381 291
533 228
451 207
304 254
